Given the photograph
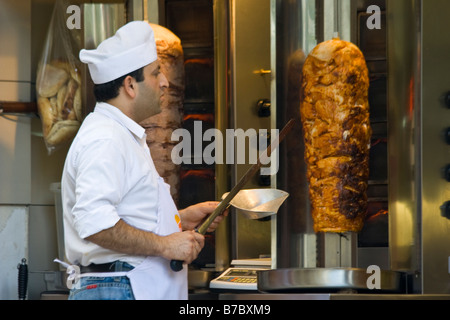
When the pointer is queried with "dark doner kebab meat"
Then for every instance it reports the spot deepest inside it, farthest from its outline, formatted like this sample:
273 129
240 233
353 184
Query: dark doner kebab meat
337 132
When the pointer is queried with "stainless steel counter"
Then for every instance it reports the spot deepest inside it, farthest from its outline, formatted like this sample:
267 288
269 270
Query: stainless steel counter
331 296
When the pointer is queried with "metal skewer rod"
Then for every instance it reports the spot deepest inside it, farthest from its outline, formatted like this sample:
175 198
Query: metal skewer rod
337 17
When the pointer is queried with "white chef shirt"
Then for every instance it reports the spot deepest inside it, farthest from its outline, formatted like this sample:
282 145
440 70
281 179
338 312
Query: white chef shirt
108 175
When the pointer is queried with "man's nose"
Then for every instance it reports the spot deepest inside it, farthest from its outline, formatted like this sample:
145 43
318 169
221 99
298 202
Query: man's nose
164 83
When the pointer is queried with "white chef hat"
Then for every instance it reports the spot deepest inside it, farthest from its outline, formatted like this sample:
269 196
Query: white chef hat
131 48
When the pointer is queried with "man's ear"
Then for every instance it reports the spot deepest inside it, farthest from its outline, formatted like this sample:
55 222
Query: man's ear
129 85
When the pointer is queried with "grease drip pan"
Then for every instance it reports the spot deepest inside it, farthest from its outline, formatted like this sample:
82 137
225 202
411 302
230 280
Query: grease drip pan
314 280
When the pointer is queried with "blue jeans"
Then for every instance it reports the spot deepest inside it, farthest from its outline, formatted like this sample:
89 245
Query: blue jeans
102 288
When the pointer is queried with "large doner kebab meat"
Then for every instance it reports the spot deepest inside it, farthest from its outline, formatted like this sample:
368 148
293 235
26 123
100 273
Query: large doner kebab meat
335 117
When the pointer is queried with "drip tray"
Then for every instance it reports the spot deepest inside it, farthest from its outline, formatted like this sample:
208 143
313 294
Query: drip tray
329 280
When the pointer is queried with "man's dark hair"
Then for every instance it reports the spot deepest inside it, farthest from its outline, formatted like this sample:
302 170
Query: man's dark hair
110 90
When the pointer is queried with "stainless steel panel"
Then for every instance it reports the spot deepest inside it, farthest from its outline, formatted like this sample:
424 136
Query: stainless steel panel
101 21
418 78
337 250
250 52
296 37
327 280
435 152
404 132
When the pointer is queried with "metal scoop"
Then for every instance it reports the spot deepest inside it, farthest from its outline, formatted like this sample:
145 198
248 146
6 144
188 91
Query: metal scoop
258 203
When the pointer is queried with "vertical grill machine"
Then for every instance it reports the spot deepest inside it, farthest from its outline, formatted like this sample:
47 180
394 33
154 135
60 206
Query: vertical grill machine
406 234
407 231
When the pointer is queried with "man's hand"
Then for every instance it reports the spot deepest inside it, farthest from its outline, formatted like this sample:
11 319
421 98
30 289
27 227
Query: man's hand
193 216
184 246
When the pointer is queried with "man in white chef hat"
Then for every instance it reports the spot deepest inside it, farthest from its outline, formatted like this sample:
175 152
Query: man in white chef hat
121 225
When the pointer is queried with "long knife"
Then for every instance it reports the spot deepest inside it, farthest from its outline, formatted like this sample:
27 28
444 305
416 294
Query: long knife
177 265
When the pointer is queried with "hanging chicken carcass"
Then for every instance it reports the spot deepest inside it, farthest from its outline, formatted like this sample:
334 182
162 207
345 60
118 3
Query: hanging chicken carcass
159 128
336 127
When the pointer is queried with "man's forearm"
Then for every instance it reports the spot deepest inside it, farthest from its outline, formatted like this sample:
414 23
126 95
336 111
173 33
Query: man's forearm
129 240
124 238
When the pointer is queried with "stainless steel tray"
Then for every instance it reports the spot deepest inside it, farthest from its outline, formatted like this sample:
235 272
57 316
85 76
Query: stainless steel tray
327 280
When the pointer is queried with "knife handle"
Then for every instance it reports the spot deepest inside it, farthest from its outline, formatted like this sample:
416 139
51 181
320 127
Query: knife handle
176 265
